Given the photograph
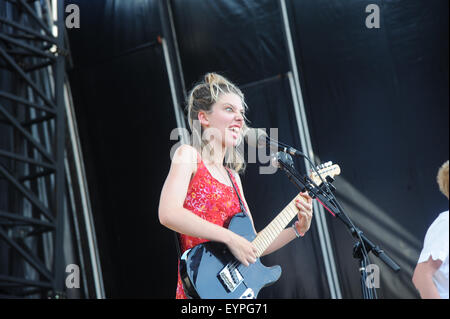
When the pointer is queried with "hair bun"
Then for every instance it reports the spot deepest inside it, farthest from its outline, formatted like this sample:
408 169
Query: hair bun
209 78
214 78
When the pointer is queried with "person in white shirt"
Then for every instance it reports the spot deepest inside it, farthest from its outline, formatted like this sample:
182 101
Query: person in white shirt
431 273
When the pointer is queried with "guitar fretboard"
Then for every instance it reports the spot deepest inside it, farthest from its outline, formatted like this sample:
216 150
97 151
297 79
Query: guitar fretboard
276 226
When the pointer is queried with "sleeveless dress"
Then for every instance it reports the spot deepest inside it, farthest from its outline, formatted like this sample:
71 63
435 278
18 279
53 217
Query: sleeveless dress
211 200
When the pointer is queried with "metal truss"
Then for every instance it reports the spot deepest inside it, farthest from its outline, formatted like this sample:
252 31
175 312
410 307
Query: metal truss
39 196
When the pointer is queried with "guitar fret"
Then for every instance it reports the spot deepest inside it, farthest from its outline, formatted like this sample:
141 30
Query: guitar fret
275 225
293 211
273 233
258 243
279 223
270 233
265 239
258 248
285 218
276 228
282 219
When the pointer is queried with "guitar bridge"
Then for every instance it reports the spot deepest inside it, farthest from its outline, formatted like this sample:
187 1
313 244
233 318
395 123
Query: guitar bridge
230 277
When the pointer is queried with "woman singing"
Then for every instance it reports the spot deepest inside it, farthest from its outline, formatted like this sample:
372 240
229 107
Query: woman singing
198 198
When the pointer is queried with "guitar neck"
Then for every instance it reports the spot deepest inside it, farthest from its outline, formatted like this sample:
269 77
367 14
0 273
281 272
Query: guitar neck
276 226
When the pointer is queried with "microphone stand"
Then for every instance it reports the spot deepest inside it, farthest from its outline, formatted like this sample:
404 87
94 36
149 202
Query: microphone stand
325 196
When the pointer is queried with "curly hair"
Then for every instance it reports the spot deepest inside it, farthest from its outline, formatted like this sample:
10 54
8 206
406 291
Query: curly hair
442 179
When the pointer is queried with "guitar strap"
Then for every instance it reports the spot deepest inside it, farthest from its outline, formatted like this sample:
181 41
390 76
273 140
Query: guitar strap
237 193
241 204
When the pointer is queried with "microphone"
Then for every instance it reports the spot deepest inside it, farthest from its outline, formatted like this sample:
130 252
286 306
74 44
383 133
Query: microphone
258 138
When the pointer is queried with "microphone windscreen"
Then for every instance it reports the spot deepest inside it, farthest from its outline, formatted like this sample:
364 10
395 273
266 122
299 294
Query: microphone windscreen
256 137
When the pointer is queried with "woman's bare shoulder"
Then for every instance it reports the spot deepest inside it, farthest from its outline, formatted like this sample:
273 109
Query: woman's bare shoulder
186 154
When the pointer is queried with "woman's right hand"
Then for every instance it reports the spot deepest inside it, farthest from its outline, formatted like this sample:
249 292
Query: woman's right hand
242 249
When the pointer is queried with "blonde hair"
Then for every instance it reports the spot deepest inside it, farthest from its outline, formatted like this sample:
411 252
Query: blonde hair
442 179
201 98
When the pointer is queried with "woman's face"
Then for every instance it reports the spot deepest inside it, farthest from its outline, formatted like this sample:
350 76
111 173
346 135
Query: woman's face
226 120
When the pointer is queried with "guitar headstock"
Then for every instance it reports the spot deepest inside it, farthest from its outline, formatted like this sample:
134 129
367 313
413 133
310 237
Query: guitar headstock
327 169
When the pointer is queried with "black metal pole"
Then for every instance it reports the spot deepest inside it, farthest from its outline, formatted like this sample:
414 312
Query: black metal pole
169 34
59 268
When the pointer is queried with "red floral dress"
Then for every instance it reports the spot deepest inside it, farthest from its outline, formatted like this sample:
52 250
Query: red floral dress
211 200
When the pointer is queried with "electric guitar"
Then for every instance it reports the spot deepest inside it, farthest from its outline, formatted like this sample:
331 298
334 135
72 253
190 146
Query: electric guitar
210 270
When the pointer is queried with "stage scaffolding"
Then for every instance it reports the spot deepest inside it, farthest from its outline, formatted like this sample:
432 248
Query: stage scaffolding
47 237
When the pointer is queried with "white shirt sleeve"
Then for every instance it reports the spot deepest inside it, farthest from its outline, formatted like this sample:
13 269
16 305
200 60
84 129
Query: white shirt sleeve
436 240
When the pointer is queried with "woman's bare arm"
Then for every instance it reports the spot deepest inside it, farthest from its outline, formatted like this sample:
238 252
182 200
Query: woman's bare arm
173 215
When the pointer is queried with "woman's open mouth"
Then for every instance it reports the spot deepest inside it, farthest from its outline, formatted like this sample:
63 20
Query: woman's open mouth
235 131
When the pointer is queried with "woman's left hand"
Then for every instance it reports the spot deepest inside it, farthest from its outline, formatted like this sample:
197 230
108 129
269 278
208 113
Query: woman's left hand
305 213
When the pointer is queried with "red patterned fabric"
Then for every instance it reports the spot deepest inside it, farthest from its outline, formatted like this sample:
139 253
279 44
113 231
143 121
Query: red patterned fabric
211 200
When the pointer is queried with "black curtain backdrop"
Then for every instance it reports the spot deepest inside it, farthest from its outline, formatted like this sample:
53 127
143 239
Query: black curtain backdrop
376 100
301 260
125 116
